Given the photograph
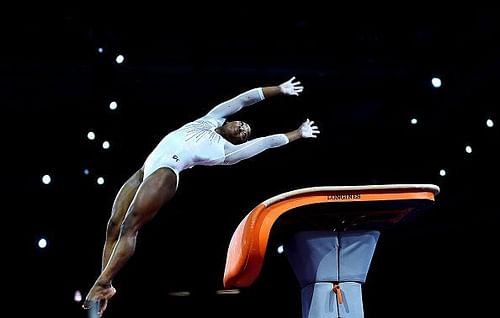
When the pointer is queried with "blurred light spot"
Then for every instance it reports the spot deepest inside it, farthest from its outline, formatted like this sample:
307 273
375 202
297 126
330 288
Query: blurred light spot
489 123
86 172
100 180
78 296
100 50
42 243
120 59
105 145
280 249
468 149
113 105
436 82
91 135
46 179
442 172
414 121
228 292
179 293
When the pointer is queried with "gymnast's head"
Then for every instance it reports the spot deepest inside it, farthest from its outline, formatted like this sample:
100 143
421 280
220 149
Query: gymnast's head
236 132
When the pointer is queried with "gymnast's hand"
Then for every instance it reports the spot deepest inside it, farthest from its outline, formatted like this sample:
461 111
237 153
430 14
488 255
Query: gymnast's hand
291 88
308 129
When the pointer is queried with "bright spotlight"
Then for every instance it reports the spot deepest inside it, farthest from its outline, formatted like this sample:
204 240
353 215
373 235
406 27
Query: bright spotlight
436 82
78 296
46 179
42 243
120 59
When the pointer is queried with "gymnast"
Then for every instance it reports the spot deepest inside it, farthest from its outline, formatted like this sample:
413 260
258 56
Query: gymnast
207 141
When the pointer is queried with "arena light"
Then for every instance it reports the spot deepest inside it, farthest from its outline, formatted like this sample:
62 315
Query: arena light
42 243
436 82
46 179
280 249
77 296
119 59
91 135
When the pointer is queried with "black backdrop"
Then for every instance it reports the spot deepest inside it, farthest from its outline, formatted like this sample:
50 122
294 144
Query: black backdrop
366 75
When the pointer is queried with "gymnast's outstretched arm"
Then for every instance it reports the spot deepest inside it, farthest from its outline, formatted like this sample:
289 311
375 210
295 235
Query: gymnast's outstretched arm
237 153
255 95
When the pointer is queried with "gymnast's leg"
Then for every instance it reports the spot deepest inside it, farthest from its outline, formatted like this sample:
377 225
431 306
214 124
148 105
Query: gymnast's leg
153 193
120 207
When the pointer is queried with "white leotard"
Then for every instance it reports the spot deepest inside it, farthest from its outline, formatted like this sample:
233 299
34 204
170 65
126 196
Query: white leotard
197 143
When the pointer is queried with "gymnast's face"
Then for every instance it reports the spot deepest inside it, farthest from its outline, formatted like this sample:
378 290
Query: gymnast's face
237 131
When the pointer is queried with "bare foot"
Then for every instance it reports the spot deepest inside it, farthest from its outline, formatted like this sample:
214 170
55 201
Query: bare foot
99 295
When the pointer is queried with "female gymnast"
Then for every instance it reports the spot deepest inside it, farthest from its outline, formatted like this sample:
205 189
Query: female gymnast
209 140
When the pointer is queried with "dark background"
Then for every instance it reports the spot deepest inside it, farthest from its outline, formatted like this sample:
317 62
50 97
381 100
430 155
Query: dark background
367 73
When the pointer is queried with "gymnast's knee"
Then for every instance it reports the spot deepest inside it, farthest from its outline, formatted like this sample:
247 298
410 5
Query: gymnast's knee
113 227
130 225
